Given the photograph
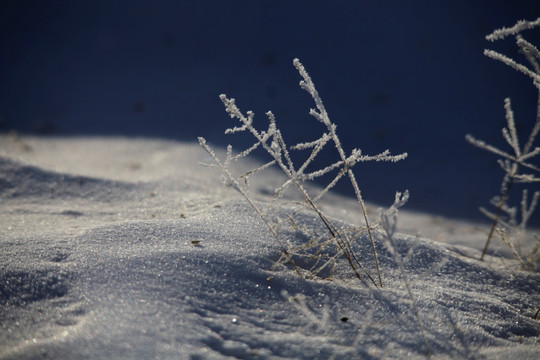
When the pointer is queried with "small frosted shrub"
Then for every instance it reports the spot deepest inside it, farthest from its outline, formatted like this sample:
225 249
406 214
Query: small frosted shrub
517 163
329 243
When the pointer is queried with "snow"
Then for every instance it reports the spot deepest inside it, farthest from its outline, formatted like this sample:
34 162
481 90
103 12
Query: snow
128 248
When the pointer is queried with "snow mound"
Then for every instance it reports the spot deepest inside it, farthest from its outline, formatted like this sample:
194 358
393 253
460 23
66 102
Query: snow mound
185 274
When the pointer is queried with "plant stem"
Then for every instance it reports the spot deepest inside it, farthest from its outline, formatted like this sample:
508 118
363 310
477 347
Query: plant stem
505 190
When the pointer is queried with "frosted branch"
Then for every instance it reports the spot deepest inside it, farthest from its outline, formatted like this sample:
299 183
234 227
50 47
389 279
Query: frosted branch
516 29
508 61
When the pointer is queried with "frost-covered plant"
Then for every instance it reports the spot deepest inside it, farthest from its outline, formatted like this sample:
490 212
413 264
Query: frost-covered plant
324 248
389 225
519 158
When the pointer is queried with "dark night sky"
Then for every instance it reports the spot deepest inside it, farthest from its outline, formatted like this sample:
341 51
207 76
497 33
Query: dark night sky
404 75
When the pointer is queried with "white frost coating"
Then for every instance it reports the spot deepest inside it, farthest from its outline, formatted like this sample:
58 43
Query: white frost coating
503 32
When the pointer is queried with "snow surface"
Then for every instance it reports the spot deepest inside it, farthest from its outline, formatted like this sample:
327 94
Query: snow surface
117 248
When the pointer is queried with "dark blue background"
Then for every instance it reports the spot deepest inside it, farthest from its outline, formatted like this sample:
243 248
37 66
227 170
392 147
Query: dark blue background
406 75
